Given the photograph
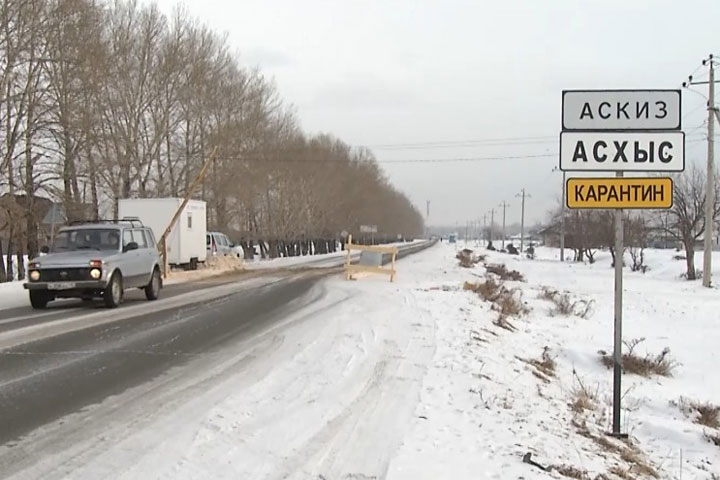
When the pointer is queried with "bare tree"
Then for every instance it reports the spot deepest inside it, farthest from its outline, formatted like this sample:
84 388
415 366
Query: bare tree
637 230
686 220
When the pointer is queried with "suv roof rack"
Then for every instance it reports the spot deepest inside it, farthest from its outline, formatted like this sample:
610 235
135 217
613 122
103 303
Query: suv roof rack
133 221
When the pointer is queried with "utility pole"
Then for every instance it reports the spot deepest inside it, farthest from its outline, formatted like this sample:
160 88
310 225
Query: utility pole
562 222
427 219
562 215
710 180
504 205
484 225
522 217
710 188
492 223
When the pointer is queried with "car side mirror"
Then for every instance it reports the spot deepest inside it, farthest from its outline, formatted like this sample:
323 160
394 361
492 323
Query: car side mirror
44 249
130 246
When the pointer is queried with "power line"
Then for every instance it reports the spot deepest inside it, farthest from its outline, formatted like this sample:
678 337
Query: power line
454 143
408 160
465 145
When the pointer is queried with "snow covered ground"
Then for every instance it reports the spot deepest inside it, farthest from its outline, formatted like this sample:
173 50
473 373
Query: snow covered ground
484 406
12 295
414 380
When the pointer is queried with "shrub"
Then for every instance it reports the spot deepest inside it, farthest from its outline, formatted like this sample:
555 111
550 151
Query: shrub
713 437
569 471
564 305
501 271
488 290
706 414
583 398
545 366
467 258
662 364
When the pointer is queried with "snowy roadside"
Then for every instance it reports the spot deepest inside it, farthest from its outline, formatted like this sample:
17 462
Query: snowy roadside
12 294
418 380
537 386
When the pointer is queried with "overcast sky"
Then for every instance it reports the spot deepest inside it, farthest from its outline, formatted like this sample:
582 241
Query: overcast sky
438 80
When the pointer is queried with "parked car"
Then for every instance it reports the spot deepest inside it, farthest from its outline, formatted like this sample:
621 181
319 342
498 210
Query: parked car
96 260
218 243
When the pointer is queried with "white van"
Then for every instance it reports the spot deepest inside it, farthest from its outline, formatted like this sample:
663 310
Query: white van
218 243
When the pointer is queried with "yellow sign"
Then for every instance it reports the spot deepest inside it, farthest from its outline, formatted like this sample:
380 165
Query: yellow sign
619 192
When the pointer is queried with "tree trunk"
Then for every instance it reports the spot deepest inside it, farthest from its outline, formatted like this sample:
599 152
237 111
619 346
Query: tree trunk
31 232
10 266
3 274
690 259
273 247
20 262
94 187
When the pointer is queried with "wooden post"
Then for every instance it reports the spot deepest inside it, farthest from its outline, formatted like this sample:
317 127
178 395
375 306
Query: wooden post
166 263
347 258
392 275
188 194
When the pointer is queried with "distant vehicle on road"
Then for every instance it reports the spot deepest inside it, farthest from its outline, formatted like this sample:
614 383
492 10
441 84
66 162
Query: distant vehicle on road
96 260
217 243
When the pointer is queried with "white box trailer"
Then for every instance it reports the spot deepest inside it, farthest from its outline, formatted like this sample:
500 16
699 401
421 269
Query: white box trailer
186 245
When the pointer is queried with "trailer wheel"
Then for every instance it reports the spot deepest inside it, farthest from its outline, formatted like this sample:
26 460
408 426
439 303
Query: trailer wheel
193 263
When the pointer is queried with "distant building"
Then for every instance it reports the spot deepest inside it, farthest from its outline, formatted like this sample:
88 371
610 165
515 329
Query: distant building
549 236
700 242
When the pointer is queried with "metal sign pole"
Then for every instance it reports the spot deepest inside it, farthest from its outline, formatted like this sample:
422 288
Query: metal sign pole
617 351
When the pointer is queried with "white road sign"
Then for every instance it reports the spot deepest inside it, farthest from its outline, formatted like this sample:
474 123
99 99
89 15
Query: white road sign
622 151
588 110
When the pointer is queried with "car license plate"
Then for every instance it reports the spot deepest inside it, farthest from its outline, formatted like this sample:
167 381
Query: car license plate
61 285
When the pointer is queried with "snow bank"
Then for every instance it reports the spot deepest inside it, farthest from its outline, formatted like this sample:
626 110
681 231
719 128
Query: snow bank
12 295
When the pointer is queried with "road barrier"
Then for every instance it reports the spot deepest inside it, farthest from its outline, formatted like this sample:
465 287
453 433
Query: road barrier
371 259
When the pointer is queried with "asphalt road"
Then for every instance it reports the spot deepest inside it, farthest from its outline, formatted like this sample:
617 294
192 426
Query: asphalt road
44 380
71 356
19 317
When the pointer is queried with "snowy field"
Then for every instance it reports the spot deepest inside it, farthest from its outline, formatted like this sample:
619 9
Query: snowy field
416 380
484 404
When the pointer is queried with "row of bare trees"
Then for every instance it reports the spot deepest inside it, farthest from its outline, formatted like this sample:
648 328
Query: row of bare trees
101 101
682 225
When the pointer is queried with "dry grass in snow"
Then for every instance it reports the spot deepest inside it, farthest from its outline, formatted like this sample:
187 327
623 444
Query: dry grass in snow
503 273
565 305
644 365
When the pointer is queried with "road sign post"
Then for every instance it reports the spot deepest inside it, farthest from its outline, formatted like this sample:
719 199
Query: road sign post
617 337
620 131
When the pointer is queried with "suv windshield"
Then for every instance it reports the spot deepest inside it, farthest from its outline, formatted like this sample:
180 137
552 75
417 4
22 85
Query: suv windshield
87 239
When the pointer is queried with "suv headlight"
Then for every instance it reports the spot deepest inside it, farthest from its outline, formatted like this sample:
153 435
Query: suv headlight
95 273
34 275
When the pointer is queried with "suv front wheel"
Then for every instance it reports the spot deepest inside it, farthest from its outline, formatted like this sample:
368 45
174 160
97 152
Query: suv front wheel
114 291
39 299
